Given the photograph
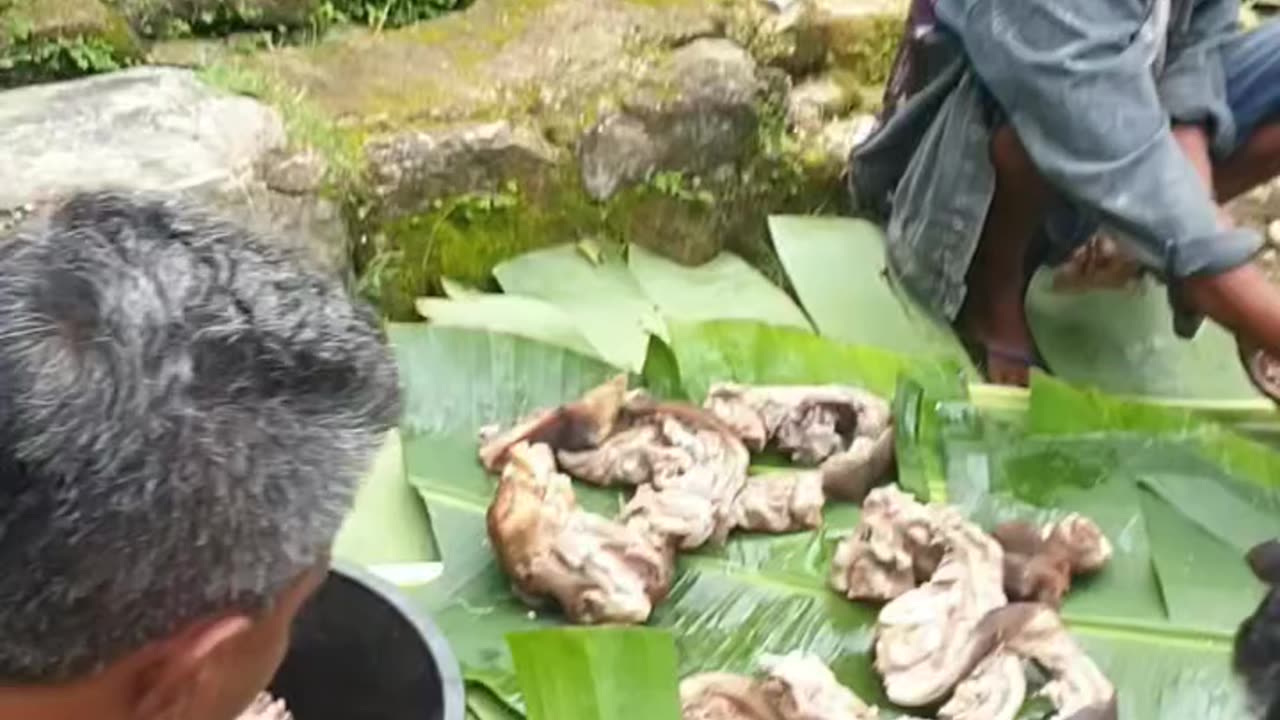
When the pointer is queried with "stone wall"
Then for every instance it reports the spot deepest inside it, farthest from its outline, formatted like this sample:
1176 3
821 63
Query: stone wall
442 148
454 144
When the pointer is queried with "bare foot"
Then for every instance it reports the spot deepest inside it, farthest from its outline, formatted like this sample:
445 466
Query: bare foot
999 331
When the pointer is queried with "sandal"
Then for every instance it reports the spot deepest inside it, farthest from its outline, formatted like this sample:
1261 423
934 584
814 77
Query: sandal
979 351
1261 369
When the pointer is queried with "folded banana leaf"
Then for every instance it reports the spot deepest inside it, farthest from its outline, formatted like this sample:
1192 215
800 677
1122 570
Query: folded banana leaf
604 305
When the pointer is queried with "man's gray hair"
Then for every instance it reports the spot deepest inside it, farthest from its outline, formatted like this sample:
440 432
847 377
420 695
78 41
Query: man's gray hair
184 414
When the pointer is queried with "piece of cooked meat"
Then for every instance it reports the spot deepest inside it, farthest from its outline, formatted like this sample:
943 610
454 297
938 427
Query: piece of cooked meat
926 639
995 690
596 569
796 686
579 425
846 431
1040 562
892 550
1076 688
780 502
634 456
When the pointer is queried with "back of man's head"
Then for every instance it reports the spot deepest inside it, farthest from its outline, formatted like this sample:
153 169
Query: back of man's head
184 413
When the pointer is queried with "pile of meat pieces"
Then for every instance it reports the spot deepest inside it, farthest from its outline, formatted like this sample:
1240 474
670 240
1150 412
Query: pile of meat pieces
949 630
948 633
689 467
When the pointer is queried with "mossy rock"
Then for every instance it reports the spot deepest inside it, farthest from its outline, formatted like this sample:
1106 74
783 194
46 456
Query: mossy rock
862 36
463 137
44 40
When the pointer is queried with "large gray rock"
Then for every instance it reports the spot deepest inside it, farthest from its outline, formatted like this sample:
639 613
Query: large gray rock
410 171
160 129
698 111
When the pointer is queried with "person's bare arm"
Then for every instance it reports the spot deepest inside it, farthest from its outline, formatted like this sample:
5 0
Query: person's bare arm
1241 299
1195 142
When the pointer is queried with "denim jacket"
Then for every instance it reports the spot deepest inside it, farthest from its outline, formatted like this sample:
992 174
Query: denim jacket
1090 86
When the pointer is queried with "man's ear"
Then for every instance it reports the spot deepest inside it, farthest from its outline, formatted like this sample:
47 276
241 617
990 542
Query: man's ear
173 680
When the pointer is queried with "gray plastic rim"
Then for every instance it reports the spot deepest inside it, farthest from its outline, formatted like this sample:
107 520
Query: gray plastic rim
452 687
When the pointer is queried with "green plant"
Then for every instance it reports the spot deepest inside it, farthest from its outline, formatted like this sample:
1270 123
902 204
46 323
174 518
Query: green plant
29 59
380 14
677 185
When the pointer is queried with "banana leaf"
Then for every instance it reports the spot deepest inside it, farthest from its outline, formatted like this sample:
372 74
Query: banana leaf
387 525
526 317
725 288
1122 341
837 267
757 594
756 353
601 305
1057 408
762 594
602 297
597 673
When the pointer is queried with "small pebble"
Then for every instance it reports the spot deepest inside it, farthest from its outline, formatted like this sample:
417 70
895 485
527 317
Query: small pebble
1273 232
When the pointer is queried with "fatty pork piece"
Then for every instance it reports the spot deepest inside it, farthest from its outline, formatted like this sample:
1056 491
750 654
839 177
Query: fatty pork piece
995 690
845 431
597 570
633 456
926 638
795 687
893 549
1077 688
702 460
578 425
1040 562
780 502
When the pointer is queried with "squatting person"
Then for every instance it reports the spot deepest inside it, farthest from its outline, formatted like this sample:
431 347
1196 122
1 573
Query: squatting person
184 413
1015 129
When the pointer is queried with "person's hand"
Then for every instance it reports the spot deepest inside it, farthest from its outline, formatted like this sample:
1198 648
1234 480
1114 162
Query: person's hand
1099 264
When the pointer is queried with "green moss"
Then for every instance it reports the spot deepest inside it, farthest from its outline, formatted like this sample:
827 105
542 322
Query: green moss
464 238
687 218
866 48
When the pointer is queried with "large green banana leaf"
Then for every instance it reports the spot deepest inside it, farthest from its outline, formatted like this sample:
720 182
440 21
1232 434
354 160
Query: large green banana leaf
1161 637
596 302
387 526
597 673
837 267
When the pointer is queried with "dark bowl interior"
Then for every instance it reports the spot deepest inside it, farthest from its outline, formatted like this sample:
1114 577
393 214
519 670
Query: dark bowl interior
360 653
